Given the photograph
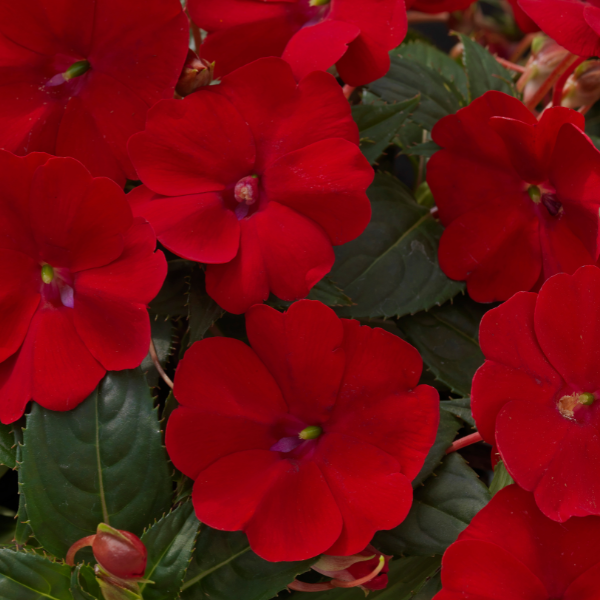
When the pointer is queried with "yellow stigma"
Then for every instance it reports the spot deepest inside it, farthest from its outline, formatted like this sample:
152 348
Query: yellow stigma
47 274
310 433
319 2
535 193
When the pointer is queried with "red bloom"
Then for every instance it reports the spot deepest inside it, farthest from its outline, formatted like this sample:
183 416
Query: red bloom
526 25
519 197
77 273
316 435
438 6
311 35
536 394
77 80
574 24
257 177
512 551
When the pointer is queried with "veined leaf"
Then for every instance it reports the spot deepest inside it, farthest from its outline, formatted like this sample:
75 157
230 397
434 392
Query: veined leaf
172 298
8 448
459 407
84 585
162 336
501 478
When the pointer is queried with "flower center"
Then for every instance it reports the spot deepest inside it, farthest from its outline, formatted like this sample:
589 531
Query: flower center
568 404
47 274
318 2
246 190
547 199
57 286
310 433
76 69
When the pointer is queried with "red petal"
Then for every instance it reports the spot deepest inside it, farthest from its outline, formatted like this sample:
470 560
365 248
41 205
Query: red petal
320 46
367 486
302 350
326 182
212 15
199 144
585 587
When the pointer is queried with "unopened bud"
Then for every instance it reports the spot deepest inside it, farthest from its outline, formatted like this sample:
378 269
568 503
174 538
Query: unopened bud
120 553
196 73
583 86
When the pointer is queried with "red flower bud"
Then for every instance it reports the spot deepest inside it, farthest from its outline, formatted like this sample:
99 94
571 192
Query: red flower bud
583 86
196 73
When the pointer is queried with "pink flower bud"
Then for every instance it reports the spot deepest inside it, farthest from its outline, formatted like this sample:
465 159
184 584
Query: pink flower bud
196 73
583 86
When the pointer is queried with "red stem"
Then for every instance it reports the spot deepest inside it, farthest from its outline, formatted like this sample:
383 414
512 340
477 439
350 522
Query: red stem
565 63
76 547
464 442
510 65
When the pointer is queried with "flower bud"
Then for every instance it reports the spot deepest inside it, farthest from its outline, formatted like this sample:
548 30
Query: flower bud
196 73
583 86
120 553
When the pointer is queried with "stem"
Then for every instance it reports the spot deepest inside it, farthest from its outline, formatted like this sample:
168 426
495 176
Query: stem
464 442
414 16
348 89
584 109
510 65
523 46
158 366
82 543
350 584
564 64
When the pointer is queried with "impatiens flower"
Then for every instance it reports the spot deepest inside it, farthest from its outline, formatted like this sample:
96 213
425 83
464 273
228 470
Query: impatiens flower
367 569
77 273
537 396
511 551
519 197
438 6
257 177
526 25
574 24
308 441
78 76
355 35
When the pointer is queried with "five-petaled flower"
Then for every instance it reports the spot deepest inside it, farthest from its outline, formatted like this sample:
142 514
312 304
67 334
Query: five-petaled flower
355 35
77 273
511 550
78 76
519 197
308 441
257 177
537 396
438 6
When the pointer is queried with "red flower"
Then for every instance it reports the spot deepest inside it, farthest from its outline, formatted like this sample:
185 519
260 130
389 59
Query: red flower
536 394
78 76
438 6
526 25
355 35
257 177
519 197
315 437
77 273
512 551
574 24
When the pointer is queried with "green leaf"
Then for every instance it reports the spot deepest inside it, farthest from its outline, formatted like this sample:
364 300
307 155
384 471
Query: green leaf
430 589
8 448
407 78
172 298
484 72
329 294
431 57
459 407
447 338
170 543
501 478
162 336
391 269
447 430
84 585
22 529
32 577
103 461
441 510
407 576
224 568
426 149
202 309
379 123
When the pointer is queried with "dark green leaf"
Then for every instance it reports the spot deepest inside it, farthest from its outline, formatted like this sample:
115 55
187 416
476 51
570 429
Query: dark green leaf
32 577
224 568
8 448
459 407
84 585
162 336
170 543
407 577
172 298
430 589
447 338
428 55
484 72
391 269
328 293
203 310
501 478
379 123
406 79
441 510
103 461
427 149
447 430
22 529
